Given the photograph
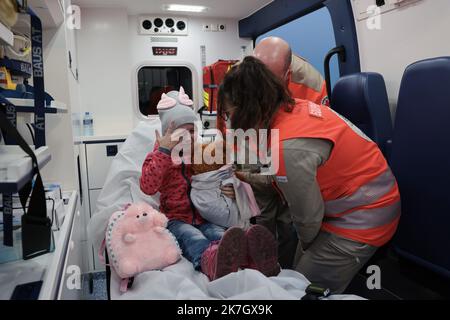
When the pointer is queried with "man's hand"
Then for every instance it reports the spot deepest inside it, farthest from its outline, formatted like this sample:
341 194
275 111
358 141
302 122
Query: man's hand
228 191
166 140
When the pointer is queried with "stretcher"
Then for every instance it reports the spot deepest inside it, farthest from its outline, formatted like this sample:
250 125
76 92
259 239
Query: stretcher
179 281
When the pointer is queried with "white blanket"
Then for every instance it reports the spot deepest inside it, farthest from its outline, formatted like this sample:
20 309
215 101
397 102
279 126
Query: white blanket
179 281
182 282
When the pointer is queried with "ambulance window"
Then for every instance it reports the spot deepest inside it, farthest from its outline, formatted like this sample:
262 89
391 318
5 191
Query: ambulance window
311 37
154 81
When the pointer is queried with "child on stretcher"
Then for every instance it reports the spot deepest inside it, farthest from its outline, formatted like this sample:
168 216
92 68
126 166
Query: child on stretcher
209 247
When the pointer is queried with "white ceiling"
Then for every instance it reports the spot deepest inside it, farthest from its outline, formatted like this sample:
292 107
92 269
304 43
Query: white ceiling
217 8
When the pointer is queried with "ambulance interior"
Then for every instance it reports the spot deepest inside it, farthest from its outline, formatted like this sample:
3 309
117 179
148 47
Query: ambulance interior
91 122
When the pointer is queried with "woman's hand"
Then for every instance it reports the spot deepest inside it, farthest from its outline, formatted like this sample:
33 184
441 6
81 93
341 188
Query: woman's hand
228 191
258 182
166 140
243 176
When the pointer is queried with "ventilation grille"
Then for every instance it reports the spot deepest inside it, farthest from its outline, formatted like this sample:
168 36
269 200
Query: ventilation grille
163 26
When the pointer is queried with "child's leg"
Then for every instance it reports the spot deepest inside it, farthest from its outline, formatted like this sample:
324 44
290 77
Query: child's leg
192 241
211 231
214 232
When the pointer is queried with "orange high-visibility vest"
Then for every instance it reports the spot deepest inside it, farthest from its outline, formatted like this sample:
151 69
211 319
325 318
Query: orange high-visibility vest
303 92
306 82
361 196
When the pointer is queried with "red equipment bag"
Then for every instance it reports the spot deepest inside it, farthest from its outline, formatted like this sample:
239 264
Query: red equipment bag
212 78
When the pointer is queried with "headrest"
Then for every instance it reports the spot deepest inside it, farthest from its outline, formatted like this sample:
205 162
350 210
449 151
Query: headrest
426 84
423 114
362 99
352 95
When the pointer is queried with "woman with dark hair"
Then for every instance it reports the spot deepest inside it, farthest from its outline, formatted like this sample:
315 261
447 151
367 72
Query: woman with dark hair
342 197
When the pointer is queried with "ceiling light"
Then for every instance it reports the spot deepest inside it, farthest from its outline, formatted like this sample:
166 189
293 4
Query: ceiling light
185 8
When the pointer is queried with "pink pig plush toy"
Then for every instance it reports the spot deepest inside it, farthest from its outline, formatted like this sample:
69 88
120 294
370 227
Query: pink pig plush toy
137 240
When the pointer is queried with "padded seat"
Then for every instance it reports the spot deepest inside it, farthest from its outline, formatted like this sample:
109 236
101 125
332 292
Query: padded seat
421 162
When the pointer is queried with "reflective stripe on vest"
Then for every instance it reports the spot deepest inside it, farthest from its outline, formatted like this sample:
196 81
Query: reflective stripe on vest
366 218
365 195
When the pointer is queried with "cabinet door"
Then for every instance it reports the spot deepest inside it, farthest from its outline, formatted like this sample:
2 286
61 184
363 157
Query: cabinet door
99 157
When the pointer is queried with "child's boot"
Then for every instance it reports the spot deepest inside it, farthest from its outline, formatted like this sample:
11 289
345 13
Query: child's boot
262 251
224 257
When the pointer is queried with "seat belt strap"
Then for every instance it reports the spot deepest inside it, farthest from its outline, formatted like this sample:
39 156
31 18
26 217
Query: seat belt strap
38 78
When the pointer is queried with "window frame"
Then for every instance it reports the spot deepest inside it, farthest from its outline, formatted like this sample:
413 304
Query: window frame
135 83
278 13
